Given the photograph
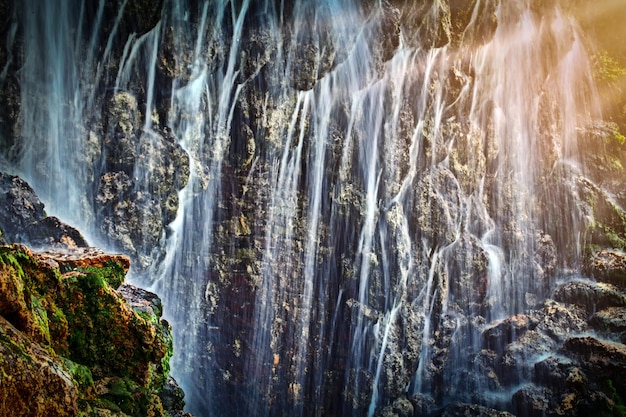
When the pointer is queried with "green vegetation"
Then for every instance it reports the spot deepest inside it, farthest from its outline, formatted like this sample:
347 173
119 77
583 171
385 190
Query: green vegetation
117 358
607 69
611 76
618 408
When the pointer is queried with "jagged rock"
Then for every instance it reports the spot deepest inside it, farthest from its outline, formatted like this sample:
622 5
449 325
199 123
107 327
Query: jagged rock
470 410
533 401
483 374
123 122
98 349
52 232
423 404
592 380
519 341
608 218
611 323
591 295
132 220
33 381
505 331
401 407
428 21
456 165
466 164
439 207
316 51
602 359
560 321
90 257
389 30
603 157
172 396
144 171
520 353
142 301
559 372
607 265
20 205
23 219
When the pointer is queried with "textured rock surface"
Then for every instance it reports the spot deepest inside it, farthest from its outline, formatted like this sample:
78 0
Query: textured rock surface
71 344
448 213
34 381
23 219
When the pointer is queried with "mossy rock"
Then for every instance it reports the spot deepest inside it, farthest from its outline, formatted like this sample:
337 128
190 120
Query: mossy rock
125 395
62 314
33 380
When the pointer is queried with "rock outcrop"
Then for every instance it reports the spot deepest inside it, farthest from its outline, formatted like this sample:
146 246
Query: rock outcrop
75 340
24 220
568 354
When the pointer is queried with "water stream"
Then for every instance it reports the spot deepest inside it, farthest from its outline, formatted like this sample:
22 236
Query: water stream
356 214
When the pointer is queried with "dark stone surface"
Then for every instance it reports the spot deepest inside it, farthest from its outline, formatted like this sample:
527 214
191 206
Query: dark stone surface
23 219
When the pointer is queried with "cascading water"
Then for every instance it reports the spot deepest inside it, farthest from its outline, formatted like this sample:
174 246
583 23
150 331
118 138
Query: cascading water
365 193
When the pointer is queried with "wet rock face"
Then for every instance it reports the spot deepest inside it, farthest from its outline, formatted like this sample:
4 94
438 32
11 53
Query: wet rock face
138 167
137 194
434 24
570 372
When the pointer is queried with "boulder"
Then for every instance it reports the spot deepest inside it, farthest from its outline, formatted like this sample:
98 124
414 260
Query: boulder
607 265
603 359
24 220
73 343
533 401
610 323
590 295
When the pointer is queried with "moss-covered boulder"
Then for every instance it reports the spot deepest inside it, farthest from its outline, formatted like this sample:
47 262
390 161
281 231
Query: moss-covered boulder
70 342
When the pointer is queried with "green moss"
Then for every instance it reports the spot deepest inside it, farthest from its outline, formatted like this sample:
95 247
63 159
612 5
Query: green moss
10 259
132 399
78 316
618 408
80 373
59 329
162 370
40 316
112 273
104 403
607 69
15 347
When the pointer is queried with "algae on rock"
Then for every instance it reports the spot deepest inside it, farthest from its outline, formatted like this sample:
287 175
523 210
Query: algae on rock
71 344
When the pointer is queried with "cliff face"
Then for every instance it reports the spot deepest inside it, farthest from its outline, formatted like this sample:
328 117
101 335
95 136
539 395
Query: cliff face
349 208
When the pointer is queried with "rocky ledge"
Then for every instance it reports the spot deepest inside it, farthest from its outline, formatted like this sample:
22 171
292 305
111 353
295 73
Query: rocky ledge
76 341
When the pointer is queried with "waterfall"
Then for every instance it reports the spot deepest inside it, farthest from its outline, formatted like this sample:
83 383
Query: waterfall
356 196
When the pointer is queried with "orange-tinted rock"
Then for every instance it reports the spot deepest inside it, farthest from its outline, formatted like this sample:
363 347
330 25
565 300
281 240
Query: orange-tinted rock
33 381
64 329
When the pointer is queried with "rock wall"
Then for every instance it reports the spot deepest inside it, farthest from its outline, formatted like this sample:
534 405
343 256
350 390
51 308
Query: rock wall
326 198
